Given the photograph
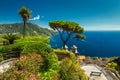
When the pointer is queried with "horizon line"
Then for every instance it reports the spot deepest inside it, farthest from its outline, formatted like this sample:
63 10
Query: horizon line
102 29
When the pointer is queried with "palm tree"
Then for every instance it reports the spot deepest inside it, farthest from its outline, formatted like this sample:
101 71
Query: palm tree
11 37
25 15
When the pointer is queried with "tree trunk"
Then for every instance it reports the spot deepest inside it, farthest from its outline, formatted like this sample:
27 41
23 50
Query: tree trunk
24 29
61 36
11 41
64 43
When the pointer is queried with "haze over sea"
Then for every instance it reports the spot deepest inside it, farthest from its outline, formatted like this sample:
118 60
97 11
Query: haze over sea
97 43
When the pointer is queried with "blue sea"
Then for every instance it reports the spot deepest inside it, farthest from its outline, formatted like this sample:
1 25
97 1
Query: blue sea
97 43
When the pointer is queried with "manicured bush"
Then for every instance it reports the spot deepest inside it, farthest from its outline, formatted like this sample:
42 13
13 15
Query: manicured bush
23 48
50 67
43 39
49 75
71 71
46 69
50 61
11 51
37 47
65 54
12 47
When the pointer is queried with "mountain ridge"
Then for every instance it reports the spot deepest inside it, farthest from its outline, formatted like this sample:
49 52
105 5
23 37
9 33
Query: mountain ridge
31 29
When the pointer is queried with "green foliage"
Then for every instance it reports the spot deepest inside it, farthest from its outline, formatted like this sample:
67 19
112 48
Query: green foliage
67 27
46 69
79 36
111 65
73 57
39 60
1 57
43 39
7 48
50 75
25 13
65 54
37 47
114 66
31 63
24 67
71 71
23 48
1 38
50 60
11 37
10 51
50 68
12 74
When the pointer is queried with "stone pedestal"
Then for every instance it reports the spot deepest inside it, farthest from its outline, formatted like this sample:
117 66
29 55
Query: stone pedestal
74 50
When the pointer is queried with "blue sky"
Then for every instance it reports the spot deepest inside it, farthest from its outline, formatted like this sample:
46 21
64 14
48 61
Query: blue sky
90 14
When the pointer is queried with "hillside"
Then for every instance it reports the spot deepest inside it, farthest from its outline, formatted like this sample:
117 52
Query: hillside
31 29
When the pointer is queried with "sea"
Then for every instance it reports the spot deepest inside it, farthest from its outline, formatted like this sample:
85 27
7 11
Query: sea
96 44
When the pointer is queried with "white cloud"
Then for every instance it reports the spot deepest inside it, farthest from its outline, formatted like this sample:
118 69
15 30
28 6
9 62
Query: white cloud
35 18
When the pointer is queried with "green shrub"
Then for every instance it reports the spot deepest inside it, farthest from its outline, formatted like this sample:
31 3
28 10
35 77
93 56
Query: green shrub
49 62
10 51
52 62
50 67
23 48
12 74
47 69
73 57
1 57
31 63
49 75
43 39
65 54
37 47
71 71
113 66
12 47
11 38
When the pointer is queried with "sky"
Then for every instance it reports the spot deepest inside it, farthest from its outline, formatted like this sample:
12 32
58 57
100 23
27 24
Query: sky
89 14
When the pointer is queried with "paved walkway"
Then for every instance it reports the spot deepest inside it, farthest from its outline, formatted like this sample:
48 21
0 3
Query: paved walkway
5 65
89 68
